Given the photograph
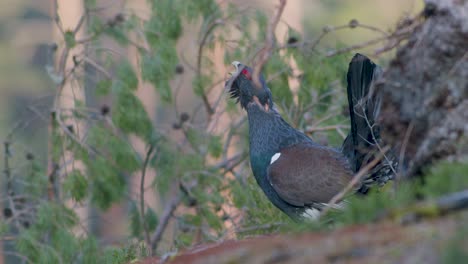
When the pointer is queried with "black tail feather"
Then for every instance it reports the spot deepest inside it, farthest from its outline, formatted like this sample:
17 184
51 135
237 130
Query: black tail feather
364 107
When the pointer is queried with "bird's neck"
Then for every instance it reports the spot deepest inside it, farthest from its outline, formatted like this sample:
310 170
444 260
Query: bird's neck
269 133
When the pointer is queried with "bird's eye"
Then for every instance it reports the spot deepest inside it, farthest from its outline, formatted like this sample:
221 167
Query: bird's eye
247 74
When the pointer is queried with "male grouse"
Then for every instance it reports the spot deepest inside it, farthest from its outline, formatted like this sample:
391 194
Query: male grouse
298 175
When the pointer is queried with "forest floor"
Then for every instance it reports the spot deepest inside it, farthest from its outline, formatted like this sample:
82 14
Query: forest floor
436 240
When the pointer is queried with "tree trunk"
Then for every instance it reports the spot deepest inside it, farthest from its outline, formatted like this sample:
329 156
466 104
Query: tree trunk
425 110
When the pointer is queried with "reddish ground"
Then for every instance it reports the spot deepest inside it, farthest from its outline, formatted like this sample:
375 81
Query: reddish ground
422 242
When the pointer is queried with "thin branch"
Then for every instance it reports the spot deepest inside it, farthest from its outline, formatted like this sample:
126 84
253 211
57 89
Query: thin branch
97 66
259 227
266 51
353 183
209 109
169 209
7 170
374 138
15 254
399 35
312 129
80 24
233 162
449 203
57 20
356 46
325 31
404 145
142 192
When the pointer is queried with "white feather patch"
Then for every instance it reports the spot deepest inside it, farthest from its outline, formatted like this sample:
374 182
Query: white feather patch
311 214
314 214
275 157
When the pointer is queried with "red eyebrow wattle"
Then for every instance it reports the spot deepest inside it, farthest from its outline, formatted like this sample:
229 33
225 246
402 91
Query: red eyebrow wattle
246 73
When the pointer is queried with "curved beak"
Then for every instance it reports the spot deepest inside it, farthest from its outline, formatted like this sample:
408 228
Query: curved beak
236 64
234 74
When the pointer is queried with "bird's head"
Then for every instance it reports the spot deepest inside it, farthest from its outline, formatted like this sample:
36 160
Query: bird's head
242 87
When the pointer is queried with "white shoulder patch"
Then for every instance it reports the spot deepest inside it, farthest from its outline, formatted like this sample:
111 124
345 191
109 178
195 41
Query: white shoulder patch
311 214
275 157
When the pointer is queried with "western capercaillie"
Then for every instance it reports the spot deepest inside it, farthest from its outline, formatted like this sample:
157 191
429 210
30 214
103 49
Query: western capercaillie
298 175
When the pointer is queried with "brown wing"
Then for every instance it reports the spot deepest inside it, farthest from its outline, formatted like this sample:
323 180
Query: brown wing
306 174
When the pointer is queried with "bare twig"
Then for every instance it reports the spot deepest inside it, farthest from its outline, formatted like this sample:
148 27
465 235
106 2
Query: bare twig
18 255
231 163
266 51
374 138
57 20
97 66
449 203
311 45
209 109
312 129
169 209
52 166
6 169
356 179
326 30
395 38
357 46
259 227
142 192
79 24
230 135
404 145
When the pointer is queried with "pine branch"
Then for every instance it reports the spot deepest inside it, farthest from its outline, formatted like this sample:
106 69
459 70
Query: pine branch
266 51
169 209
142 193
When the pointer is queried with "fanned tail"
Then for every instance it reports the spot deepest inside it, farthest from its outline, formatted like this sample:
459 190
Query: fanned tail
364 106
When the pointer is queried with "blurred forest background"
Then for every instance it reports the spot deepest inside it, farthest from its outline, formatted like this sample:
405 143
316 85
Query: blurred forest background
119 141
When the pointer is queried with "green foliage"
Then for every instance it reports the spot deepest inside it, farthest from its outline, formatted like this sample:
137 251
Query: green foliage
367 209
90 251
199 84
50 239
162 31
130 116
3 227
442 179
70 40
205 8
259 210
157 68
215 146
445 178
165 21
456 249
188 154
279 86
165 163
136 223
127 254
116 32
318 74
77 185
103 87
90 4
36 178
127 78
109 184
